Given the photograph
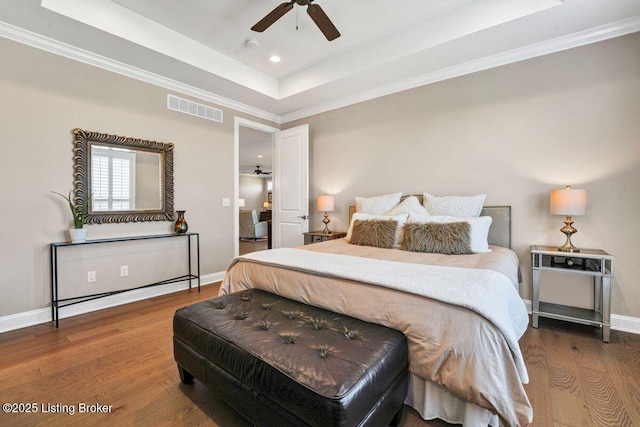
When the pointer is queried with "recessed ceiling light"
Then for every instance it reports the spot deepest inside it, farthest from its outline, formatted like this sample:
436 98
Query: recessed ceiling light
275 59
259 156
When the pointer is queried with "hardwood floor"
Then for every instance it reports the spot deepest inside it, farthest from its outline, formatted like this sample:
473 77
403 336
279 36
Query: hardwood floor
247 246
577 380
122 358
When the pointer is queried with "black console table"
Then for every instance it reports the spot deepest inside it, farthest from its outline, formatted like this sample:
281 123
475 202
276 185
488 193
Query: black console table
57 303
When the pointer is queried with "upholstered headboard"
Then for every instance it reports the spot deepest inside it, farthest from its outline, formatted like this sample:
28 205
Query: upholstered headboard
500 231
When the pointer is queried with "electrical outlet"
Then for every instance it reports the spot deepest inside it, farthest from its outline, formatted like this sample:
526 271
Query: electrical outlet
124 270
91 276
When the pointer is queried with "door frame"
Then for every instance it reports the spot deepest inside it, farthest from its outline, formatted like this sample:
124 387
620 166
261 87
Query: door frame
237 123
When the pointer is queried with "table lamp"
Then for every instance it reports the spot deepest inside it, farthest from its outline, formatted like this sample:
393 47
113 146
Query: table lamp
265 205
568 202
241 203
326 204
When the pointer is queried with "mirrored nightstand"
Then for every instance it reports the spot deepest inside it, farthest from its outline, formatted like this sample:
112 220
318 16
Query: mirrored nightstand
589 262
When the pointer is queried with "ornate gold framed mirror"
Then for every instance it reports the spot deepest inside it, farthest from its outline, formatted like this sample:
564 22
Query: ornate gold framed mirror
125 179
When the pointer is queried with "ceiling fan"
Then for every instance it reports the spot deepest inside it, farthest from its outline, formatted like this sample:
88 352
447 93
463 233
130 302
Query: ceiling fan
259 171
314 10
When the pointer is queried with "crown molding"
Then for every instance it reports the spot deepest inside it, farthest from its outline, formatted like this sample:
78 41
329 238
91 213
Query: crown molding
50 45
605 32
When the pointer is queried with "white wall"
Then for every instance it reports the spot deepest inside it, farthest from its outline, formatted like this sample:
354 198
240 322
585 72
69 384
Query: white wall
515 133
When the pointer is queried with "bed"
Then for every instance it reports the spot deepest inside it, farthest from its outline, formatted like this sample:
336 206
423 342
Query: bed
462 314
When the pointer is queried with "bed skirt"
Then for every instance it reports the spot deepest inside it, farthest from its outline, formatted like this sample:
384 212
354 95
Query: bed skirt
432 401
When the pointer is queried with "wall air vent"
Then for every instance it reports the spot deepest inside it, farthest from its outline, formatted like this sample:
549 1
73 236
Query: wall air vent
193 108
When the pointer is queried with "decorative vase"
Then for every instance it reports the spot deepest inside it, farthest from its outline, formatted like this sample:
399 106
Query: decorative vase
78 235
181 226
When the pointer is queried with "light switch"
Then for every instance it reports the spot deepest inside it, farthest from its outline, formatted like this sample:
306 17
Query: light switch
226 201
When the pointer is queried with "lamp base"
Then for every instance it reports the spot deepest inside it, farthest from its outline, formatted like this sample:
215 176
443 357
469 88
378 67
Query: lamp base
572 248
568 230
326 222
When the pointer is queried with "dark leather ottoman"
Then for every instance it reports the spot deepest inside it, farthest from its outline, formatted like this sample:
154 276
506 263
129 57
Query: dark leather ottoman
282 363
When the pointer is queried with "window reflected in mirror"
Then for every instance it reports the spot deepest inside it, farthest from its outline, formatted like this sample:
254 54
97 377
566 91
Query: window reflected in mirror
124 179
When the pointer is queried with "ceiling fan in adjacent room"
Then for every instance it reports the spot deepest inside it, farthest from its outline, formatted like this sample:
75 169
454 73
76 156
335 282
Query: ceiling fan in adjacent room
313 10
259 171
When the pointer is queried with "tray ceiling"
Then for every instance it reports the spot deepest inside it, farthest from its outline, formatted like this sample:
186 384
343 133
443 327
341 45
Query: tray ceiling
199 47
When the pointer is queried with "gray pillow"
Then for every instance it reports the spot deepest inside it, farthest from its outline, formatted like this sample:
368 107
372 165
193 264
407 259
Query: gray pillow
374 232
453 238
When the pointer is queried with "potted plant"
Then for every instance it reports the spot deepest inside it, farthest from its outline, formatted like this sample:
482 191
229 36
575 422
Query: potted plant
78 233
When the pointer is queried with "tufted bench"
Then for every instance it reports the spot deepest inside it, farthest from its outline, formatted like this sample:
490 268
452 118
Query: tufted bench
283 363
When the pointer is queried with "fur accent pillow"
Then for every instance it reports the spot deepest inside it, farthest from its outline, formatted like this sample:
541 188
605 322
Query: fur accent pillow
453 238
479 234
374 232
400 220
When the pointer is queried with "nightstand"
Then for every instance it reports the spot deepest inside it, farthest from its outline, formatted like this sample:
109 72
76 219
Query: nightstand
588 262
319 236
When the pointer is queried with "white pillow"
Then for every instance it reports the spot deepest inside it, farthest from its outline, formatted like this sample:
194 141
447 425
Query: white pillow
401 219
420 219
460 206
377 205
411 205
479 233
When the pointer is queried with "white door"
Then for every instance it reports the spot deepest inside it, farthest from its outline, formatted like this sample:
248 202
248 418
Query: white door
291 186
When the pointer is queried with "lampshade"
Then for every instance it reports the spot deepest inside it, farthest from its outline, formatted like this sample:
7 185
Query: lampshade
568 202
241 203
325 203
265 205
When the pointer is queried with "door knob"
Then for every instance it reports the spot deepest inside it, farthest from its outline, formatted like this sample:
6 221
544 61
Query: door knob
304 217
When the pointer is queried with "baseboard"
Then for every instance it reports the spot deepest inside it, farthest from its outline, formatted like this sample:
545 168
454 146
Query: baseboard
625 324
43 315
618 322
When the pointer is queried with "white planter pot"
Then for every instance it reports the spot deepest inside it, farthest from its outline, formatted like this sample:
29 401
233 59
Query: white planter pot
78 235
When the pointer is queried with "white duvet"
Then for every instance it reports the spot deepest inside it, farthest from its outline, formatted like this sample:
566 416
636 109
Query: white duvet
461 314
475 289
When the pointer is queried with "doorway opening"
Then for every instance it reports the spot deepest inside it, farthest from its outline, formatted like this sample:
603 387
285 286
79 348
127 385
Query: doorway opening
253 184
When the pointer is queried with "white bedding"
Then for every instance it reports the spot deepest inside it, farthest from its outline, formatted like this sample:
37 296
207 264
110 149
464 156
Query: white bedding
476 289
469 350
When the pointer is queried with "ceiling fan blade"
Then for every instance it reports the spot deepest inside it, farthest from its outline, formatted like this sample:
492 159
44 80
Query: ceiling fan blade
273 16
322 21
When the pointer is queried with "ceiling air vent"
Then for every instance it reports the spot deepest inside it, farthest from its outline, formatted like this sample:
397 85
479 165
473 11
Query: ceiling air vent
193 108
